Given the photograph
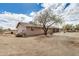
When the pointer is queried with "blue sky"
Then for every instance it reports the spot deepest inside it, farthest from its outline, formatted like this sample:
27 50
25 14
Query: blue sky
20 8
12 13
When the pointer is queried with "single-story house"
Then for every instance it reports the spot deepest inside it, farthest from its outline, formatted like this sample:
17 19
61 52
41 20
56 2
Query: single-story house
27 29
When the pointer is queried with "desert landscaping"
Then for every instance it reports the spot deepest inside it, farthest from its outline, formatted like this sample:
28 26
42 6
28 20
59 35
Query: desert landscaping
53 45
39 31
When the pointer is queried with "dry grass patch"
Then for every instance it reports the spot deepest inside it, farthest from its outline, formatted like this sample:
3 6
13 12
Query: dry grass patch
39 45
74 42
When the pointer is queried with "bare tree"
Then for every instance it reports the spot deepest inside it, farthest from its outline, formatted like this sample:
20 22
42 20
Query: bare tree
46 18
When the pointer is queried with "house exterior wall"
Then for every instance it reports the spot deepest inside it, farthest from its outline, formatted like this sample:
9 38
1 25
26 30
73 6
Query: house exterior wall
21 29
29 30
33 30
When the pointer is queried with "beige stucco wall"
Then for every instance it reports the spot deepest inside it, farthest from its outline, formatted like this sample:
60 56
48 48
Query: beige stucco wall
21 29
28 31
35 31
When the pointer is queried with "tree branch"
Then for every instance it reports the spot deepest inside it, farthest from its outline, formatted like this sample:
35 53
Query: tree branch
50 25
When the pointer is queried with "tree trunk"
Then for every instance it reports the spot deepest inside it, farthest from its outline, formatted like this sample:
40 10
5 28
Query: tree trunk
45 32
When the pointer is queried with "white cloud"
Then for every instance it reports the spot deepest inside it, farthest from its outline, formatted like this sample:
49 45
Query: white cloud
32 13
10 20
45 5
69 14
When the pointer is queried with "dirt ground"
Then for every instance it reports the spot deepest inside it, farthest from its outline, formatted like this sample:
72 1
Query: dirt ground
58 44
